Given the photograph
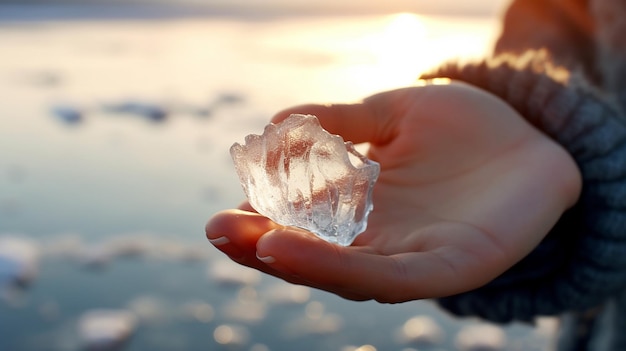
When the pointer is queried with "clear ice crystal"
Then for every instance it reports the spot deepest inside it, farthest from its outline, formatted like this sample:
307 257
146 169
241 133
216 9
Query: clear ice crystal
298 174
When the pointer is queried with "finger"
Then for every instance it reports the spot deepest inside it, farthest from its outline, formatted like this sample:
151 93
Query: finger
373 120
236 232
395 278
354 122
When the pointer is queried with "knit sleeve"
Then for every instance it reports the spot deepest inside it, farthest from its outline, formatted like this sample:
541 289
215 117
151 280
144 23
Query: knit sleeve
582 260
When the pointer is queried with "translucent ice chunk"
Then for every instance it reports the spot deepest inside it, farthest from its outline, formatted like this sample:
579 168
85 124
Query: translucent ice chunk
298 174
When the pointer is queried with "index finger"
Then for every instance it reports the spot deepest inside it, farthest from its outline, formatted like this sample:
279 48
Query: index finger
374 120
392 278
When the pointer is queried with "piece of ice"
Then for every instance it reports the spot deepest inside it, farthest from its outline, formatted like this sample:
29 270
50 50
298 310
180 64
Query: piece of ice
228 273
198 310
231 335
481 337
68 114
106 329
19 261
421 331
153 112
288 294
298 174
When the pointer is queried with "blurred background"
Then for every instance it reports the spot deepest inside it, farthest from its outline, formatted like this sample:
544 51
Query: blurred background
115 123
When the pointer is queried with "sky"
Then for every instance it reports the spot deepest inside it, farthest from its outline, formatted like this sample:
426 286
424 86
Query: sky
447 6
456 7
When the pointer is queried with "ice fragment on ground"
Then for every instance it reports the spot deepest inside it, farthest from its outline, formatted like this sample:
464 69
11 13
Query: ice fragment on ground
151 111
19 261
421 331
68 114
106 329
149 310
95 257
244 311
325 324
199 311
359 348
288 294
231 335
481 337
546 327
298 174
314 321
259 347
228 273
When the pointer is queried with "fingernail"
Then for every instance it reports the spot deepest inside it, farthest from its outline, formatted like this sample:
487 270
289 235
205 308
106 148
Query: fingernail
266 259
219 241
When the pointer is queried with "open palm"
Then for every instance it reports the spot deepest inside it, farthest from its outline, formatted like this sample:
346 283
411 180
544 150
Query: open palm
467 188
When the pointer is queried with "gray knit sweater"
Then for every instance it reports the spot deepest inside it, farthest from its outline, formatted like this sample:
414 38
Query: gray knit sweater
579 270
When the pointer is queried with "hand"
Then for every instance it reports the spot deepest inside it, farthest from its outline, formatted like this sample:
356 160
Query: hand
467 188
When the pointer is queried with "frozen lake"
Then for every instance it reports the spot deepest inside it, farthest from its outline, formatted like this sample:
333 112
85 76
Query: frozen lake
114 137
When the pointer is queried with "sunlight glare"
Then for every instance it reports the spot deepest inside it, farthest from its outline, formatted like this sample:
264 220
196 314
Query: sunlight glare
397 49
410 44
